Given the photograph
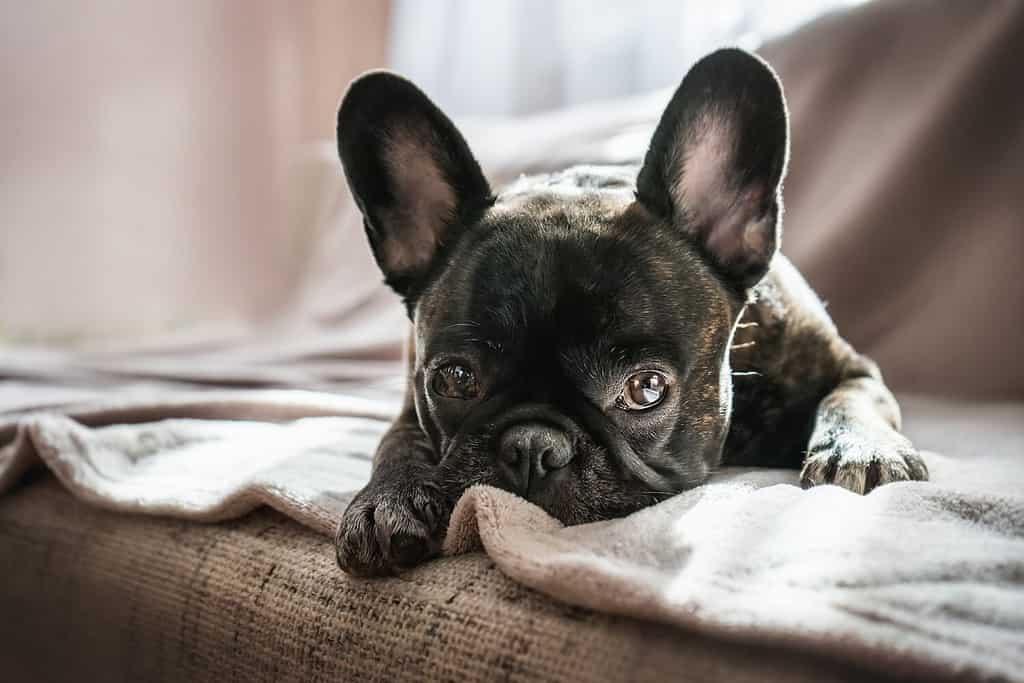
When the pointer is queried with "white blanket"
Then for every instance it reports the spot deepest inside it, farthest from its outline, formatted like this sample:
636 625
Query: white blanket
923 579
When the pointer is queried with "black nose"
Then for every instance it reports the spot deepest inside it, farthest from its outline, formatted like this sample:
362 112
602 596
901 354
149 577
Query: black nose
529 452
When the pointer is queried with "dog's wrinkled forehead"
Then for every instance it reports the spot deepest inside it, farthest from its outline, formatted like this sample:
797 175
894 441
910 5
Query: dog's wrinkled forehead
557 263
712 175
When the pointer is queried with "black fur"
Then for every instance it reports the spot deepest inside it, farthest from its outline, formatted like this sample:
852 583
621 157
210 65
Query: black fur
376 108
732 102
565 285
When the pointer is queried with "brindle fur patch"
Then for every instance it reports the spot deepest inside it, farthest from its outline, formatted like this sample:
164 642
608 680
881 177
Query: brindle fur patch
560 289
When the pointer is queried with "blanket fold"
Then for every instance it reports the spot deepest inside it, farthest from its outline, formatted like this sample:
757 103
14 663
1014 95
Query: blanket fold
914 579
922 578
206 456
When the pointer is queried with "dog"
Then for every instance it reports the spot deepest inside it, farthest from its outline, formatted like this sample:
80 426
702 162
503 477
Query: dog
599 339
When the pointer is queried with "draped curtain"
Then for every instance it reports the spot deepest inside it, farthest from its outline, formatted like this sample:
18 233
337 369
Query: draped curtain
508 57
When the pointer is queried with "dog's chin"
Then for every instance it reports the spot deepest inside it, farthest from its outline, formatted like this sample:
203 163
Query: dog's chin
570 512
571 504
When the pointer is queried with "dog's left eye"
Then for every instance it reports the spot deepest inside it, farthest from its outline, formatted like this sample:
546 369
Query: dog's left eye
455 381
643 390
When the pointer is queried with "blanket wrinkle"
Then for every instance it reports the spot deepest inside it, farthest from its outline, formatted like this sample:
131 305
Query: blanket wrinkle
892 156
679 588
921 579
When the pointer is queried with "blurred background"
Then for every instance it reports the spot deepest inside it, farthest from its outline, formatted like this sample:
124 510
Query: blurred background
171 207
147 144
146 150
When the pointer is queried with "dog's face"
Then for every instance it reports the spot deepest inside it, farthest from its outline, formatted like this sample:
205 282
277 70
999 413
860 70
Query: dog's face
573 351
572 333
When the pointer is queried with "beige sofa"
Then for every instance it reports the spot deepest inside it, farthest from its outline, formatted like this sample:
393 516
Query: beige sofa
904 211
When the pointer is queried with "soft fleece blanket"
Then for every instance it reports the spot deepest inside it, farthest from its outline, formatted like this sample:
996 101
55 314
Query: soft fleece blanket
923 579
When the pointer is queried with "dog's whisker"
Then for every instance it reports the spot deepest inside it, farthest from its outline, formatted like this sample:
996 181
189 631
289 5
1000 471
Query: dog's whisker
657 495
469 323
744 345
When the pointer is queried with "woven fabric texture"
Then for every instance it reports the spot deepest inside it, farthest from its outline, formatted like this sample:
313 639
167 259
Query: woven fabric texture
114 597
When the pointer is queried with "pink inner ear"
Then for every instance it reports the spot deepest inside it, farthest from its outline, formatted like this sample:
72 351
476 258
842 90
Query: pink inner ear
738 235
425 204
724 217
701 184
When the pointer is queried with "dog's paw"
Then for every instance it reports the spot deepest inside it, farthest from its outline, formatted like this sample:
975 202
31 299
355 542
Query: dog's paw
862 462
391 526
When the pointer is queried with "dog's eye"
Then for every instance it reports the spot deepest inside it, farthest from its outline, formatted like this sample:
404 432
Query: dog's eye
455 381
643 390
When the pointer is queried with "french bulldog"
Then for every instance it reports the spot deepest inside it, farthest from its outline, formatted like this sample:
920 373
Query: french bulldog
599 339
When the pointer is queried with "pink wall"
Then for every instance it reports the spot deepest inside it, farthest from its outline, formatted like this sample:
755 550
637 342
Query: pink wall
143 150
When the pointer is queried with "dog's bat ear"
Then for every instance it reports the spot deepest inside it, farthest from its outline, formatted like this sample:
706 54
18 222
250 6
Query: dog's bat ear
715 165
411 173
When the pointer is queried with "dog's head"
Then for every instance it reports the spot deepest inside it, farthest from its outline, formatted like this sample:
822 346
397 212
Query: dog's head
572 332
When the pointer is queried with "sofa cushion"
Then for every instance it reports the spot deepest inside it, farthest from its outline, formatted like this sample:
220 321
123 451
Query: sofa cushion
108 596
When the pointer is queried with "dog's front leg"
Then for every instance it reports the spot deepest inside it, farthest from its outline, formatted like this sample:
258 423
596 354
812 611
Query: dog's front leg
856 442
399 519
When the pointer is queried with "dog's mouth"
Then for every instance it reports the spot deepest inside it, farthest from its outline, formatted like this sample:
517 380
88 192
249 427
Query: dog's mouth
591 487
578 468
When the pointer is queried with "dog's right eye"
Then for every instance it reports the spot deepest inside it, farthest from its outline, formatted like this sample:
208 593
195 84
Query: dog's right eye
455 381
643 390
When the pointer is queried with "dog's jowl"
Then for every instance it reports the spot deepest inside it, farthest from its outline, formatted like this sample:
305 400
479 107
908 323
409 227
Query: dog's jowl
599 339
